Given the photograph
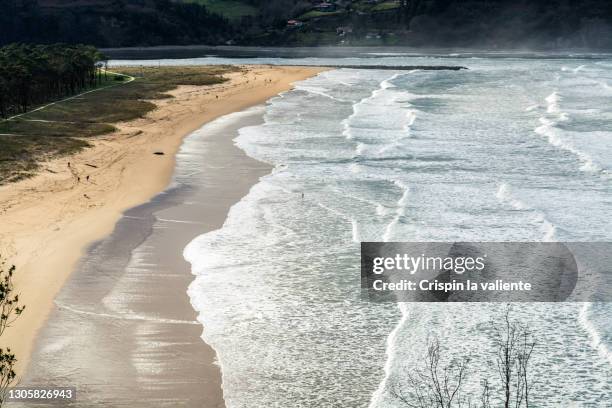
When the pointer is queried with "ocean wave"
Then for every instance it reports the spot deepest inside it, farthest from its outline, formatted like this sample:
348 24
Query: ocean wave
597 343
124 316
574 70
357 107
355 231
360 148
319 91
548 129
400 210
504 195
552 102
362 186
377 396
604 85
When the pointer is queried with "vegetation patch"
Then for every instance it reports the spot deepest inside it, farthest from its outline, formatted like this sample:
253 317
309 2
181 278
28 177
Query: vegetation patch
53 129
316 14
64 127
231 9
387 5
20 155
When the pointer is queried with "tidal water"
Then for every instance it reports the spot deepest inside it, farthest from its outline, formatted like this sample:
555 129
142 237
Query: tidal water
512 149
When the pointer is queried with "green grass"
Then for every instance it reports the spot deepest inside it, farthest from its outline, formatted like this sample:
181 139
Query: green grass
360 6
64 128
316 13
54 129
373 8
387 5
20 155
231 9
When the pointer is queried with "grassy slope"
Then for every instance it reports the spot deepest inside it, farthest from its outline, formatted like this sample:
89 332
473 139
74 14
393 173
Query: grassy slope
359 6
64 128
382 6
315 13
387 5
232 9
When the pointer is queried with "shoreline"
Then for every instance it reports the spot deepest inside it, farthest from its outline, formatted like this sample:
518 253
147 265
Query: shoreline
50 220
127 299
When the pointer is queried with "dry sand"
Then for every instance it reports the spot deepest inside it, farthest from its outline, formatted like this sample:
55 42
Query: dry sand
47 222
123 331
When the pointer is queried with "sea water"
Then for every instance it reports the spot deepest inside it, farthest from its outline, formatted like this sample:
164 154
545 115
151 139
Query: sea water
512 149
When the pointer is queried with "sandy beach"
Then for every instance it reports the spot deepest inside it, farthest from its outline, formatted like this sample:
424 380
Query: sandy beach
49 221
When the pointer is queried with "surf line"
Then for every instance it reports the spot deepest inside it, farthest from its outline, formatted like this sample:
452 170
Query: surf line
383 85
124 317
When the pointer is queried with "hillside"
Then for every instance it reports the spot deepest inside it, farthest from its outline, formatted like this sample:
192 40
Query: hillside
107 23
231 9
548 24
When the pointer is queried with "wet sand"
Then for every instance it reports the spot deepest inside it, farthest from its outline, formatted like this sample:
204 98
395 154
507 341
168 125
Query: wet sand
103 314
48 221
123 331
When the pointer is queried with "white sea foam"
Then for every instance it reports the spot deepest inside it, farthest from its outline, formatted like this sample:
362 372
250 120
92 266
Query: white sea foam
596 340
360 148
550 130
411 115
279 279
574 70
378 395
399 211
355 231
552 102
381 210
370 102
531 108
504 195
605 85
124 316
318 91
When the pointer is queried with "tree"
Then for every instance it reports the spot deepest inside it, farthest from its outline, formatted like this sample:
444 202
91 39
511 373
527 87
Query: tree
7 372
437 385
10 310
31 75
434 386
515 344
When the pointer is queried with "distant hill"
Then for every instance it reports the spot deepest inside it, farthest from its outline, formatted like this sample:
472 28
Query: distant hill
107 23
230 9
549 24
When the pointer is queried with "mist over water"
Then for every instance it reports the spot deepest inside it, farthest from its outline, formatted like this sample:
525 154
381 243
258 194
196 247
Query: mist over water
512 151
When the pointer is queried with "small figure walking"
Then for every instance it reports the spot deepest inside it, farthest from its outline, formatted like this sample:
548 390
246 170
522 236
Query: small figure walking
87 178
302 195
